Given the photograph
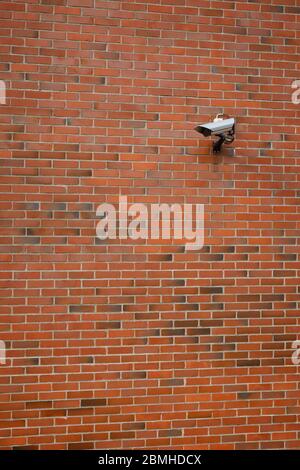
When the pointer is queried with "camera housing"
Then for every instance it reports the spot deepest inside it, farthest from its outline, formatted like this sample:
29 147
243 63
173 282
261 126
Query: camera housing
223 127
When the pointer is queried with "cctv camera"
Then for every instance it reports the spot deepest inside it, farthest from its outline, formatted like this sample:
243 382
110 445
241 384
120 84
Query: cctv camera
222 126
216 127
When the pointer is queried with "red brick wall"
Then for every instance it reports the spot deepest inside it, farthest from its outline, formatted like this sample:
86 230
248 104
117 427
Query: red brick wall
143 344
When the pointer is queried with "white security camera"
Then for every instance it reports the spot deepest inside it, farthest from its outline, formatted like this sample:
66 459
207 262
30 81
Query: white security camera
222 126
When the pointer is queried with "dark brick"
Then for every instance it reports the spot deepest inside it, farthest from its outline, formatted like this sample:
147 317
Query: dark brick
92 402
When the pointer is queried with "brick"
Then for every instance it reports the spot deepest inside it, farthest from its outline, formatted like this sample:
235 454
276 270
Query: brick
94 402
144 344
